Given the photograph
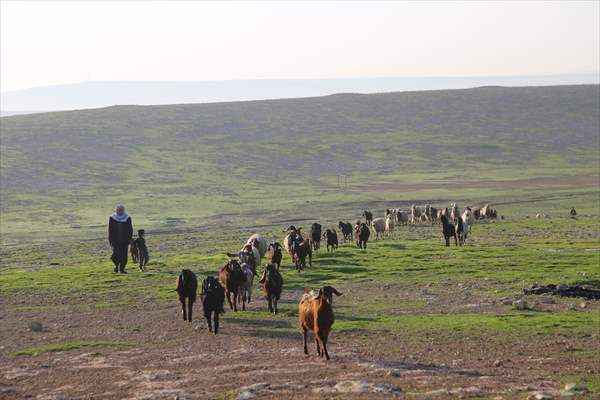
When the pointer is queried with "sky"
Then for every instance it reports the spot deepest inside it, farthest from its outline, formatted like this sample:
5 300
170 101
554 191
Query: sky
48 43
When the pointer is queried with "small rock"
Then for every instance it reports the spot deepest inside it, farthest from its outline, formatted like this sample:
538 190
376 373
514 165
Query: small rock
256 387
576 387
567 393
36 326
245 395
498 363
583 304
520 304
395 372
351 387
386 388
506 301
540 396
6 390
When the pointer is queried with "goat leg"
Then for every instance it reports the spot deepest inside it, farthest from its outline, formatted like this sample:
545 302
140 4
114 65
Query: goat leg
190 308
305 334
183 309
323 341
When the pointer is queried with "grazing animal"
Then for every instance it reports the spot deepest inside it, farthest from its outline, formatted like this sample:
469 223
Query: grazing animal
378 225
415 214
247 286
300 253
541 215
213 297
368 216
315 314
233 279
477 213
254 261
401 217
390 224
272 284
448 230
363 234
493 213
572 213
329 291
274 254
331 239
454 213
467 216
287 243
260 242
487 212
462 230
346 228
187 286
432 213
248 255
315 235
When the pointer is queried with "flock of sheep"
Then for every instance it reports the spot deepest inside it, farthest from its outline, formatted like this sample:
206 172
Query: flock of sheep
236 277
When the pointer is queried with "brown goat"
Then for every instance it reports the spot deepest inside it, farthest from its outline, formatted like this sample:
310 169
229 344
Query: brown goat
232 279
316 314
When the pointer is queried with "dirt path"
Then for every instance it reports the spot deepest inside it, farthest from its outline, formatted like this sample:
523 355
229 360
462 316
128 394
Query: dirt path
252 358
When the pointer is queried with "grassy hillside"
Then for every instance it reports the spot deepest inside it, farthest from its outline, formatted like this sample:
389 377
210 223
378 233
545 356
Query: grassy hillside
180 164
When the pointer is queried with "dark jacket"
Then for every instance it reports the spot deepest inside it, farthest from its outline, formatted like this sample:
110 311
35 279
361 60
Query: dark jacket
119 233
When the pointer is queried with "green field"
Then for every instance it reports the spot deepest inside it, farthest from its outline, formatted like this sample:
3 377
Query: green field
435 322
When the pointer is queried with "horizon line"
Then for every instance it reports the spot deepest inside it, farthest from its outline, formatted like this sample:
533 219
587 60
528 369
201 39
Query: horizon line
597 73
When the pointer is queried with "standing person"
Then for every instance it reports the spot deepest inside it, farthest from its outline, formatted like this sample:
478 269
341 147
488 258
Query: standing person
120 232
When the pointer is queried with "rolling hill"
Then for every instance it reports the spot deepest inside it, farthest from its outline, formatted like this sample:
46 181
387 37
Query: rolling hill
94 94
187 162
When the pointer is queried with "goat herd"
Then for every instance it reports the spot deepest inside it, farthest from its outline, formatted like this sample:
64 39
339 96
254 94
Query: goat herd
236 277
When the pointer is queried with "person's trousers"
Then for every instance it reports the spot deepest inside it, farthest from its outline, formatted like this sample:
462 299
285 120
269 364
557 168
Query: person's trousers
119 256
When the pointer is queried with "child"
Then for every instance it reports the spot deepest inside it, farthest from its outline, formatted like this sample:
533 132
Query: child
140 243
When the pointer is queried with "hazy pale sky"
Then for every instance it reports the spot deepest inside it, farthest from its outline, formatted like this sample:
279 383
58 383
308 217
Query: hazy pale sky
44 43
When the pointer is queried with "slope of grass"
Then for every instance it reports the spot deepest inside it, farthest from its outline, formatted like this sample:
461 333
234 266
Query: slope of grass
178 165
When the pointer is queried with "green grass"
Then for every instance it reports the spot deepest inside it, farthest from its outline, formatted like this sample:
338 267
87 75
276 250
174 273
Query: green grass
71 345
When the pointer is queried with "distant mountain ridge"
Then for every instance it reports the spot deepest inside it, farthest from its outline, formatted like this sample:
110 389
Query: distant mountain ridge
101 94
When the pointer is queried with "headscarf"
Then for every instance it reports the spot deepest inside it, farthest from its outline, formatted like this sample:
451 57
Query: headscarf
120 217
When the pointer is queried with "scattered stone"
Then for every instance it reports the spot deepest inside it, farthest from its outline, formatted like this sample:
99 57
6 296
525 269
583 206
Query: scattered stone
160 375
351 387
540 396
249 392
567 393
395 372
506 301
245 395
576 387
7 390
520 304
360 387
36 326
387 389
498 363
583 304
